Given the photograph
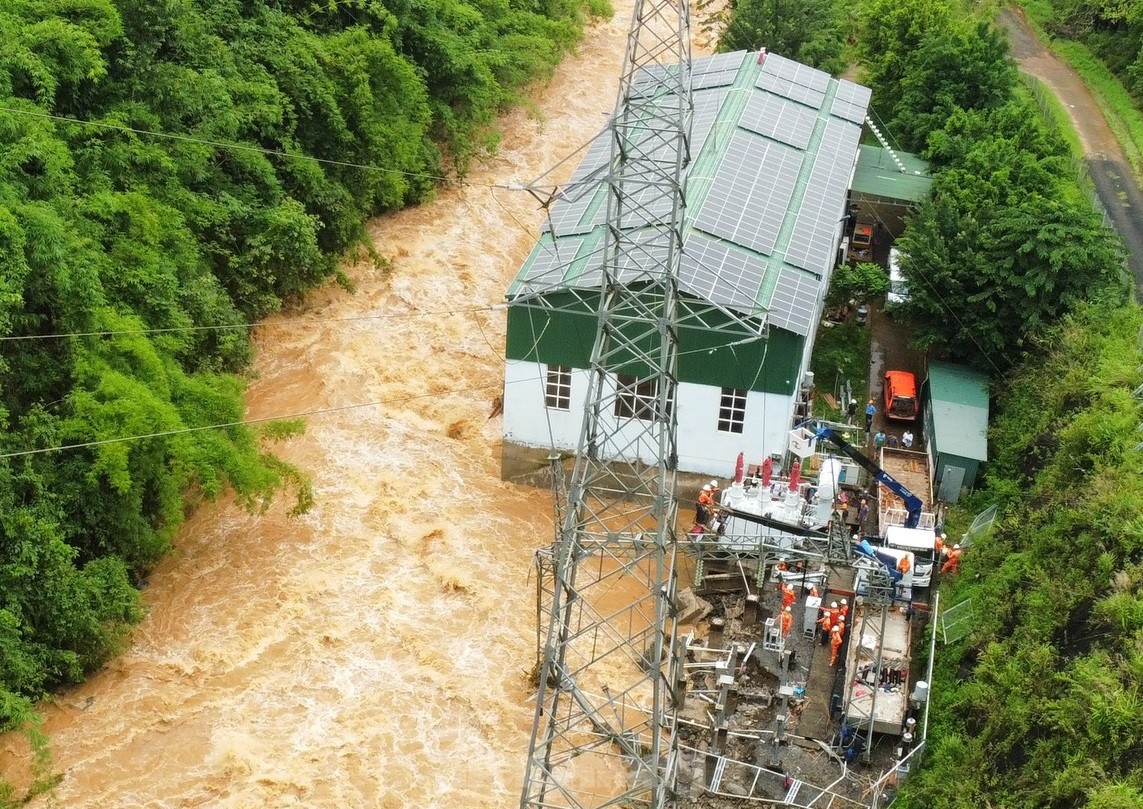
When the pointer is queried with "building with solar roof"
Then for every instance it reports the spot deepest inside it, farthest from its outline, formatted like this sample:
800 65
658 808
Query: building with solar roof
773 150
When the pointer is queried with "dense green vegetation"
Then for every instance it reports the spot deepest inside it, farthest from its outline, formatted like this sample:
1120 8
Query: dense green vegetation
108 233
1010 269
813 32
1040 706
1009 243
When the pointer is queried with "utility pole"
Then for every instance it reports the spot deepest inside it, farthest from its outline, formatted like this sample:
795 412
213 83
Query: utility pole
610 678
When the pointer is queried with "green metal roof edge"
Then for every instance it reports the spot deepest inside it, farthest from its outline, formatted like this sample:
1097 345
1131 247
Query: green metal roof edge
877 174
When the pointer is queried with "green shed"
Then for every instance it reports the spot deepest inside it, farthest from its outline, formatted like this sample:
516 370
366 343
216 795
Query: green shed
956 427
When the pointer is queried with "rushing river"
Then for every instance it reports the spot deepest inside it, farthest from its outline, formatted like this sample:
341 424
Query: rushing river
374 652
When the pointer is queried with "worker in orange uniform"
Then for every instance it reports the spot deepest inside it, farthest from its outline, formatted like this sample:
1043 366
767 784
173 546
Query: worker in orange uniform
704 505
939 546
904 565
826 620
789 595
843 610
787 621
835 642
952 564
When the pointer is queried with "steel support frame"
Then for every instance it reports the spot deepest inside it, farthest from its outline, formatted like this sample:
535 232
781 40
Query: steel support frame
604 732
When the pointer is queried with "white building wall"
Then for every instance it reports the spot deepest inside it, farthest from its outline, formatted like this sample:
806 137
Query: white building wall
527 421
702 448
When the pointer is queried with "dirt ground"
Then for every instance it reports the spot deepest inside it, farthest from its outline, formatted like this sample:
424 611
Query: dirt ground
1116 186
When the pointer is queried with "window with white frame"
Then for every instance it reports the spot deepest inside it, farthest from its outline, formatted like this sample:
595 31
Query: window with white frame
732 411
635 398
557 388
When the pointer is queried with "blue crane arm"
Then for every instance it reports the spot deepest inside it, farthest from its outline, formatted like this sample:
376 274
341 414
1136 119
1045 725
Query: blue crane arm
913 504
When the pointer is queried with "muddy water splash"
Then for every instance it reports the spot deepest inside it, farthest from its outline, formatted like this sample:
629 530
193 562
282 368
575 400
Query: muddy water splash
373 652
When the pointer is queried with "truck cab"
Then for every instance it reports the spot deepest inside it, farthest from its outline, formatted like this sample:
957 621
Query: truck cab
921 542
900 395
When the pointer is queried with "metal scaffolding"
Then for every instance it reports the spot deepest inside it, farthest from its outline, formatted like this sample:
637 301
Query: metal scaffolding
610 679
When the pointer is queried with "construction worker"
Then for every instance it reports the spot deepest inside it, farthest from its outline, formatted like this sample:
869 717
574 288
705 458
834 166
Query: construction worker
843 610
952 564
825 621
904 565
789 595
939 546
787 621
835 642
704 505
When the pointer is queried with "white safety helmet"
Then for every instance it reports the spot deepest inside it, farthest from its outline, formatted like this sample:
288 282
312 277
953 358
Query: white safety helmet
706 488
956 547
714 484
845 601
833 605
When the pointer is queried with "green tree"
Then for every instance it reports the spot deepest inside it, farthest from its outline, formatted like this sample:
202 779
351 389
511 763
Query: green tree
808 31
960 69
861 283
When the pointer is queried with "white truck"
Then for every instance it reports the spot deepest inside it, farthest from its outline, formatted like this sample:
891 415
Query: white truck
911 470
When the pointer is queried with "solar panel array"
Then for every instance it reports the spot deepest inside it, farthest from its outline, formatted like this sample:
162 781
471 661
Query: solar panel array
721 273
566 214
811 245
775 118
751 192
762 172
549 263
708 104
794 301
794 81
715 71
851 101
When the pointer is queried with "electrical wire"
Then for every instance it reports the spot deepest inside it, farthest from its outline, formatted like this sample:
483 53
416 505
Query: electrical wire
259 420
274 322
243 147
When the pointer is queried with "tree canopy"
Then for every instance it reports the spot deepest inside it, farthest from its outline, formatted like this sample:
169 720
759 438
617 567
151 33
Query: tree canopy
168 172
812 32
1007 245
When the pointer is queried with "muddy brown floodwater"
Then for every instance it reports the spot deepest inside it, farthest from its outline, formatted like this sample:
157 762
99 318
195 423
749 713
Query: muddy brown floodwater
373 652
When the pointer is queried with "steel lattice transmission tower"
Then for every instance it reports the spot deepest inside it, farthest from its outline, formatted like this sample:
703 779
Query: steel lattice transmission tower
611 675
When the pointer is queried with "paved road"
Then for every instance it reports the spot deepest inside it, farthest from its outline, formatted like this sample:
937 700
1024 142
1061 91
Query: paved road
1114 183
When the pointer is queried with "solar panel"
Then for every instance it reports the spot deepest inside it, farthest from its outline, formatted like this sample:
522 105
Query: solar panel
548 263
796 72
793 81
794 301
708 103
775 118
719 272
816 226
718 63
751 192
850 101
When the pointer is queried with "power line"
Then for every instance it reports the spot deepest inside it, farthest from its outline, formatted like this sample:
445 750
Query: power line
223 326
260 420
242 147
